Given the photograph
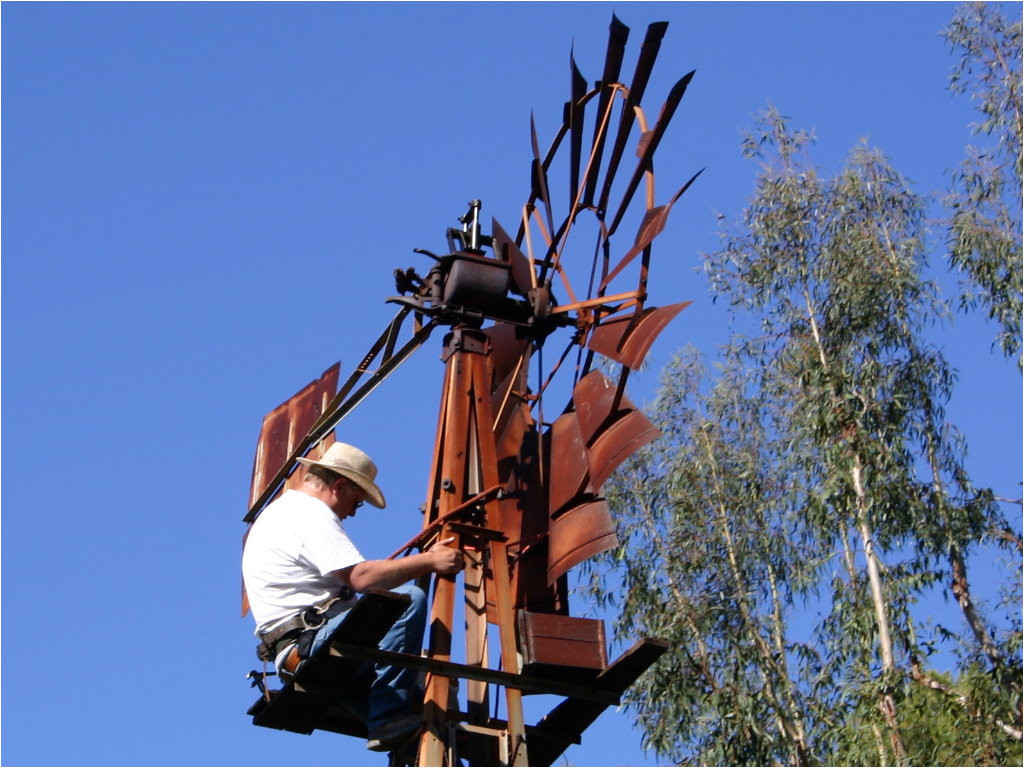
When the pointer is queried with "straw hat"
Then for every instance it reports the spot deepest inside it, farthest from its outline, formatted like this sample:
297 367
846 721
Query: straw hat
348 461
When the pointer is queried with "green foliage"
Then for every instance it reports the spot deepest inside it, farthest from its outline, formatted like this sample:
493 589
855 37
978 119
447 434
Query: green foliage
711 581
815 472
937 727
985 197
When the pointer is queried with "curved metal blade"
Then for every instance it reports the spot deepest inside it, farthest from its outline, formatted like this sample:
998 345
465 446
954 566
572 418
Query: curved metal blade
644 66
652 225
617 443
578 534
627 339
540 176
610 425
649 144
595 399
569 453
618 34
575 114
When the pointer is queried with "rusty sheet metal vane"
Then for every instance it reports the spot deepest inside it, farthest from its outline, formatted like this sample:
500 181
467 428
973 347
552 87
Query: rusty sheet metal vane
343 402
578 534
285 426
588 444
627 339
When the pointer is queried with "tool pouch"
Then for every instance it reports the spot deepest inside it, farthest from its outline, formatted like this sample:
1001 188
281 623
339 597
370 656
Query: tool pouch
305 642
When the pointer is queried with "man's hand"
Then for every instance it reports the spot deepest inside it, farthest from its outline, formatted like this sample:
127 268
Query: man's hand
445 559
387 574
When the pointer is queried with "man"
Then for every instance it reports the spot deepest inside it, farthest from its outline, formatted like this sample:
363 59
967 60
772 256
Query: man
301 570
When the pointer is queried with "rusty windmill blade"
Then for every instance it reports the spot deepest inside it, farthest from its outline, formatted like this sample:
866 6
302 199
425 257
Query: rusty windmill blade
574 116
652 225
627 340
649 144
570 475
640 329
580 524
552 152
611 426
586 446
618 34
540 176
606 90
580 533
637 87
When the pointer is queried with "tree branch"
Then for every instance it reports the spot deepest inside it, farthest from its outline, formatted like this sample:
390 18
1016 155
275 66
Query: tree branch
930 682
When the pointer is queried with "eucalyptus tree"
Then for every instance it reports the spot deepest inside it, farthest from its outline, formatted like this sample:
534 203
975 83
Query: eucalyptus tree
835 269
985 198
816 473
711 560
831 267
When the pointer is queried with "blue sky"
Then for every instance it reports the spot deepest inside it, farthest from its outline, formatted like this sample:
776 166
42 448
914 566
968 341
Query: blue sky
203 206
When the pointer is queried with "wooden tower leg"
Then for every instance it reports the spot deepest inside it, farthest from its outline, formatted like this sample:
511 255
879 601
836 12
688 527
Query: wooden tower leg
503 598
509 657
465 462
448 486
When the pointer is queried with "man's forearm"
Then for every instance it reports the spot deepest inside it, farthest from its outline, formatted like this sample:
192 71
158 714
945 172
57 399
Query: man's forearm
386 574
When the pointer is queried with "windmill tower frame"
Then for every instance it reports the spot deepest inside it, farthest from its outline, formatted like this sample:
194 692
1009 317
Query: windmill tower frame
520 495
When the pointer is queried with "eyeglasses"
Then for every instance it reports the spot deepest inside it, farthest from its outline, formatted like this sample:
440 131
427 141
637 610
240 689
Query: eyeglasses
359 494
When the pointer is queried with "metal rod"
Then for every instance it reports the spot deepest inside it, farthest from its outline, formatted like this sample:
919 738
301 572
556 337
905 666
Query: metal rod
328 421
451 669
427 533
595 302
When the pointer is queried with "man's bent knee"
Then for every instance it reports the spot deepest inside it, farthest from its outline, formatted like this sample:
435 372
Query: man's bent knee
418 597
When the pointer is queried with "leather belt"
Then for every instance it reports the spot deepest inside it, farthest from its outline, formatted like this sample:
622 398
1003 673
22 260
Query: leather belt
313 617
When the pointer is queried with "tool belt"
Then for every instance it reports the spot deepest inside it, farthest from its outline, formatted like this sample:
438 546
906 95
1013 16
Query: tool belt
302 626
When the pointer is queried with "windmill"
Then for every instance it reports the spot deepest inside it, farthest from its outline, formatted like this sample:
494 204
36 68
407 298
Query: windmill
515 475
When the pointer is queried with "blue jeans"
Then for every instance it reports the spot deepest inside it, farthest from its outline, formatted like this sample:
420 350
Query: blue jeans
392 688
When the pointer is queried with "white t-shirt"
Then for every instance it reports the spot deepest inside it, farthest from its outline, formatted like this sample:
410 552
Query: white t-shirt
289 553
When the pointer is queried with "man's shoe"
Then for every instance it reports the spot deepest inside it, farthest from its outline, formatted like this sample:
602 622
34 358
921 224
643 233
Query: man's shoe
392 734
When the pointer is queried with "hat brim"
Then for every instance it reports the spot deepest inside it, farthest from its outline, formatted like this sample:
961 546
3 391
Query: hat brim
369 488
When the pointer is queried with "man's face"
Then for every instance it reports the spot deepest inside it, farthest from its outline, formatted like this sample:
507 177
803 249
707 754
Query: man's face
348 498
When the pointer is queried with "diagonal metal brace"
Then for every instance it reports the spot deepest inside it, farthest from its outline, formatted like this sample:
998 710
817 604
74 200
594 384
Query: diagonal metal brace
341 405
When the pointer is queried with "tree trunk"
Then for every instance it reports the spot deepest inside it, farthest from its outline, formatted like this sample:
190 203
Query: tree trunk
887 703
